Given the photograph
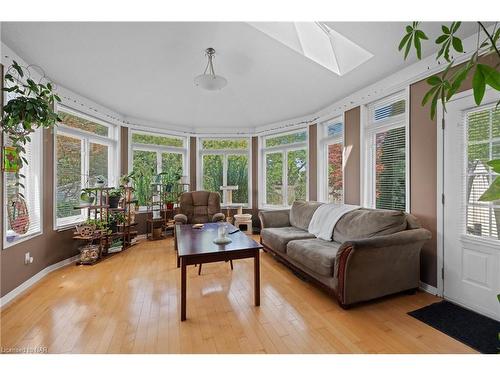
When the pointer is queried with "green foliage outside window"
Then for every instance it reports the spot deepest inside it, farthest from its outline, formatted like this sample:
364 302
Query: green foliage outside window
158 140
82 124
286 139
224 144
212 172
274 179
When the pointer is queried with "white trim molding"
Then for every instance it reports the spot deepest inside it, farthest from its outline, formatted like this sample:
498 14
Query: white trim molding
429 289
14 293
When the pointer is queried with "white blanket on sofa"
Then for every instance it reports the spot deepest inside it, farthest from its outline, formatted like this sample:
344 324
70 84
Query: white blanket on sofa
325 218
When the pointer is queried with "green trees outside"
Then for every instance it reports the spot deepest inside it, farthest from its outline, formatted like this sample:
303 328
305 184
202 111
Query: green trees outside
335 174
237 166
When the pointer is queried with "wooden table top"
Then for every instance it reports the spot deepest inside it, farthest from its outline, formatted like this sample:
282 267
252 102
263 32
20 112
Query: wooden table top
191 241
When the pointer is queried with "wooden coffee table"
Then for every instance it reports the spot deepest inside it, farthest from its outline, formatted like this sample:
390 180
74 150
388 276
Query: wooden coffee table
195 246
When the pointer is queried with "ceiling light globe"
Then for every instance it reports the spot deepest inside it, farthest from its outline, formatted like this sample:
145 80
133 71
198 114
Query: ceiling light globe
210 82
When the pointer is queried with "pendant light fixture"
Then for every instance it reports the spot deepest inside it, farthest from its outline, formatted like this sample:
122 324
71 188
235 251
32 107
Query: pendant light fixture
209 80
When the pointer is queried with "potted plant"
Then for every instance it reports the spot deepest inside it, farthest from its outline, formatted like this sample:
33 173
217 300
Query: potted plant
114 197
86 197
126 178
115 219
30 108
100 181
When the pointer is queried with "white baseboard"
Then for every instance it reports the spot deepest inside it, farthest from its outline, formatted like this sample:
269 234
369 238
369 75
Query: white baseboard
429 289
9 297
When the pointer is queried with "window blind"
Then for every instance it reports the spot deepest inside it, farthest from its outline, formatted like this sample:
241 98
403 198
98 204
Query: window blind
32 190
483 144
386 149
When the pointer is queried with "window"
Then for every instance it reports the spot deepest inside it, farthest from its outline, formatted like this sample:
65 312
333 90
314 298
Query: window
225 162
153 154
331 180
284 159
85 149
386 169
31 189
483 144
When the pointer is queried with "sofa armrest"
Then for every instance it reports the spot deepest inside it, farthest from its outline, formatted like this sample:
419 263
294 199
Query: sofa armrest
218 217
180 219
274 218
374 267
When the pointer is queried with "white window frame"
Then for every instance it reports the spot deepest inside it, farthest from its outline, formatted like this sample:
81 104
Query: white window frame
86 138
284 149
159 150
225 154
37 153
324 140
369 129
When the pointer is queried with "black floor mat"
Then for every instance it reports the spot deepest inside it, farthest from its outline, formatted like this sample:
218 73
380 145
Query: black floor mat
475 330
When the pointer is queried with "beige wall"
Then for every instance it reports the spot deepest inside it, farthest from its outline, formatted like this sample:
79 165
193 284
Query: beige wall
313 162
352 156
46 249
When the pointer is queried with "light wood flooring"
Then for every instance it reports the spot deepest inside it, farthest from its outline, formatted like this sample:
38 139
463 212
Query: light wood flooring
129 303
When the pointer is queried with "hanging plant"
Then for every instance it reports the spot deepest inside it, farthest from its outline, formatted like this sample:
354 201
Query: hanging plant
31 108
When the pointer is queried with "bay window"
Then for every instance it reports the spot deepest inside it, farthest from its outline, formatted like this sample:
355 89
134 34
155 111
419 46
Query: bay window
226 162
284 166
152 154
85 150
386 161
331 175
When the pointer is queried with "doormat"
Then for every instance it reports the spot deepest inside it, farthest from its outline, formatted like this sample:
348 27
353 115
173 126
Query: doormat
472 329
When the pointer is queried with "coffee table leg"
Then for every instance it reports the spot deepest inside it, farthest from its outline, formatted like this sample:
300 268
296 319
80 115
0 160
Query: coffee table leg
256 275
183 289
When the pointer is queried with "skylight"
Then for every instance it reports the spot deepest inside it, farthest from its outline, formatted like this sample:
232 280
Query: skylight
317 42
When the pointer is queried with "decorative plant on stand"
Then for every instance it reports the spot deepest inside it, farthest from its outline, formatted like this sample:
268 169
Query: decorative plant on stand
31 107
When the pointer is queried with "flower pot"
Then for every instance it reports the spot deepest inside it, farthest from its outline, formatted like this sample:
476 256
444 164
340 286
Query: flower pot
113 202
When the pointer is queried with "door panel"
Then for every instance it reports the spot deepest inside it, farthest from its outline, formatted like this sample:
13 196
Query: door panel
471 251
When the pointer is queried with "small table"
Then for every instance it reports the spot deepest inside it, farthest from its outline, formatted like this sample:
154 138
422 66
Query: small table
195 246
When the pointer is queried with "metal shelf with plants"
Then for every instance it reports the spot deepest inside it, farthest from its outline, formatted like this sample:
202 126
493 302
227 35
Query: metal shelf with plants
110 224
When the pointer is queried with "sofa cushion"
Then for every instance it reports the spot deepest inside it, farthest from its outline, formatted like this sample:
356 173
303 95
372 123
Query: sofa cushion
277 238
302 212
366 223
315 254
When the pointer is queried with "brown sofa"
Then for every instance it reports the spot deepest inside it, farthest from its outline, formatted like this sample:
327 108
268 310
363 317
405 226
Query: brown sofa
197 207
373 253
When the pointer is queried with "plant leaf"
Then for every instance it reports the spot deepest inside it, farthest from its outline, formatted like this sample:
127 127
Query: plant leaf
445 29
478 85
428 95
442 38
495 165
492 193
457 44
404 41
418 47
491 76
456 26
407 50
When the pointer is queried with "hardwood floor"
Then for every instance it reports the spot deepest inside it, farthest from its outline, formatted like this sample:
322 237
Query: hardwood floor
129 303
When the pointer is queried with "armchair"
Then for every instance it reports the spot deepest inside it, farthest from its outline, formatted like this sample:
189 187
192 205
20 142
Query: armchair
197 207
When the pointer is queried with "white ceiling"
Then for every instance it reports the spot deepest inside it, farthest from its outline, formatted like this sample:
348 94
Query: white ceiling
145 70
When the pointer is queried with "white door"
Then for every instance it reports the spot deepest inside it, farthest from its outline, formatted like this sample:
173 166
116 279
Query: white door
471 245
